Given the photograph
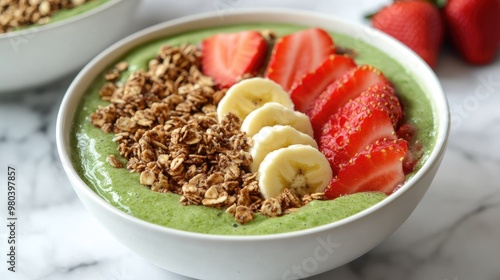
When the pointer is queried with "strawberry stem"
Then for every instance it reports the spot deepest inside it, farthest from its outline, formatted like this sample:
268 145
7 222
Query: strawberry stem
438 3
370 15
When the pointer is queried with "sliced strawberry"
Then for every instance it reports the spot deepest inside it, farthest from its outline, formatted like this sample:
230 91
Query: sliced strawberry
378 169
307 89
297 54
340 92
226 57
377 97
342 145
371 116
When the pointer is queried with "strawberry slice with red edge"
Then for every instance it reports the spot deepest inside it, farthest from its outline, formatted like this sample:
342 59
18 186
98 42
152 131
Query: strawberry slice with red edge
380 96
307 89
344 144
378 169
372 116
297 54
340 92
227 57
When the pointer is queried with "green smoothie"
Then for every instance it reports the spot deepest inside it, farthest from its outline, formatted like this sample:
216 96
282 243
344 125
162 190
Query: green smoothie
91 146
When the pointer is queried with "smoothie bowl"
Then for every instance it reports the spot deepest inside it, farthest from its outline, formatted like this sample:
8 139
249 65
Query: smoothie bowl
38 52
280 228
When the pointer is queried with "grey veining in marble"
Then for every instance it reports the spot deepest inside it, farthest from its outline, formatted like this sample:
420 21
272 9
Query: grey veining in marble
454 234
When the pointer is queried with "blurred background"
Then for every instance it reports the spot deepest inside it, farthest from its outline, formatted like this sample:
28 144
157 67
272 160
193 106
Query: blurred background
453 235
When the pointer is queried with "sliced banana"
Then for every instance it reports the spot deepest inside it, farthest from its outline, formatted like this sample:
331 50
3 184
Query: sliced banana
271 138
273 113
301 168
250 94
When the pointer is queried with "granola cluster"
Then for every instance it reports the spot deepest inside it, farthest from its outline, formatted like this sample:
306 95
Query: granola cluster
19 13
165 123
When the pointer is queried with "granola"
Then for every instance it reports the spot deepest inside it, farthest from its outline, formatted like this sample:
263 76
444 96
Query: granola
166 127
18 13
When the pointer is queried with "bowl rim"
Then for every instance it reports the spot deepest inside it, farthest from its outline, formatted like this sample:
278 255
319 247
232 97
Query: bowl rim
59 23
439 104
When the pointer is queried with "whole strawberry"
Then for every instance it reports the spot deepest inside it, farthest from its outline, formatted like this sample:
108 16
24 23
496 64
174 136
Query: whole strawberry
415 23
474 28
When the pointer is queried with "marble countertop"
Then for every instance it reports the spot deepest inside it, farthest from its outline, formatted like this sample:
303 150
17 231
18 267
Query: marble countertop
453 234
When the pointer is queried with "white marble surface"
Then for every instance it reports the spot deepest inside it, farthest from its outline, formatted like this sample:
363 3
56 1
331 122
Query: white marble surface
454 234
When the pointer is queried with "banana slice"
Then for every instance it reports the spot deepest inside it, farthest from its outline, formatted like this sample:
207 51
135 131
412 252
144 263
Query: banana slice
301 168
271 138
273 113
250 94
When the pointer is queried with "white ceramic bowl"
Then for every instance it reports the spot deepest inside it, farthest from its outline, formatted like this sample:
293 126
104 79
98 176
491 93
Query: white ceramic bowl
39 55
280 256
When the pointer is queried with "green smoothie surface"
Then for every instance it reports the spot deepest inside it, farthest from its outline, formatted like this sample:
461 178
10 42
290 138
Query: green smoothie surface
90 147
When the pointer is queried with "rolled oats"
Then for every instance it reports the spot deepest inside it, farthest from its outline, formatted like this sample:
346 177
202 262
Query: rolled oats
113 161
289 200
243 214
314 196
271 207
215 196
166 127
